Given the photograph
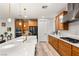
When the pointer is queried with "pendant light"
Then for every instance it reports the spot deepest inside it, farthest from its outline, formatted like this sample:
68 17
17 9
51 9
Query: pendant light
24 25
20 15
20 23
9 18
25 16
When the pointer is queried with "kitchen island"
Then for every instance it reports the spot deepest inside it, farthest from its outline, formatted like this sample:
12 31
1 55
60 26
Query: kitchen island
19 47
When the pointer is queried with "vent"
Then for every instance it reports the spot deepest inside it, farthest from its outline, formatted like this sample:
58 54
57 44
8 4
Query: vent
24 8
44 7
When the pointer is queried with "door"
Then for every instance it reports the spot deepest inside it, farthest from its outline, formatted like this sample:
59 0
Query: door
42 30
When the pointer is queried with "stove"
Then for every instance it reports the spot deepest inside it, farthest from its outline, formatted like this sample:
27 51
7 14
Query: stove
70 39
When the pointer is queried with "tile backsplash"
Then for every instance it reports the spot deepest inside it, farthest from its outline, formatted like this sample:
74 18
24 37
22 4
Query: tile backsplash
73 30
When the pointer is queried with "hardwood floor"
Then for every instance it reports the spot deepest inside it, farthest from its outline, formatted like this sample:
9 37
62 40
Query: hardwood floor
45 49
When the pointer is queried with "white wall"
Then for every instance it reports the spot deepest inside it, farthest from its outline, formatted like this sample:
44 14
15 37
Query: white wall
4 29
51 25
12 25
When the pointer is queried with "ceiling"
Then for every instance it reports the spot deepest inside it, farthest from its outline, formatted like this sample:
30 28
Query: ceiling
33 10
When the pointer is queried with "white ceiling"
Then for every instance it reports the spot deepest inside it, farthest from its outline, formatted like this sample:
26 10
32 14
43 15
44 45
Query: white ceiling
33 10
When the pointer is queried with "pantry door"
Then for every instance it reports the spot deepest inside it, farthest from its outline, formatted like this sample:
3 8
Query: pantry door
42 30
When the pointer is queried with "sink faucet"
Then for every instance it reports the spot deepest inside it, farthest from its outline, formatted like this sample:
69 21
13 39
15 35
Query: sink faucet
55 32
59 33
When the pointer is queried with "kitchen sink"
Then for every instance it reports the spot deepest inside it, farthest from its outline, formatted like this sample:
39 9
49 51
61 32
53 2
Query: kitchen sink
70 39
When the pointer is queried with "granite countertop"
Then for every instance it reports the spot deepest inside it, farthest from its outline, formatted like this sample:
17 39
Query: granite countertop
74 44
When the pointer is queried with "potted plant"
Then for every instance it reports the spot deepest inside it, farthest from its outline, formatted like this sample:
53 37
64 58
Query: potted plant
5 34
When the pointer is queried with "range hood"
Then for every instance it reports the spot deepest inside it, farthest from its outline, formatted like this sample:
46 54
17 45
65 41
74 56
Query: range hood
64 19
70 17
75 15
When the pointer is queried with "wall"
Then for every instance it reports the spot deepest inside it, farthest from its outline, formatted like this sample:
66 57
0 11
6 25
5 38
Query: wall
51 25
12 25
74 27
4 29
73 30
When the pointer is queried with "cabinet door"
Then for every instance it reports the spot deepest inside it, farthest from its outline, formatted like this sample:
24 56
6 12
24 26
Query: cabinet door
32 22
49 40
64 48
75 51
57 23
54 42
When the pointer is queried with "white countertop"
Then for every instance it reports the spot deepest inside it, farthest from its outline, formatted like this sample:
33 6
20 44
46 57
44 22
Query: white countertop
74 44
16 47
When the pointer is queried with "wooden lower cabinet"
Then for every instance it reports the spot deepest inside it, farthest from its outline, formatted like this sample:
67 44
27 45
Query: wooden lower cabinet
53 42
64 48
75 51
50 40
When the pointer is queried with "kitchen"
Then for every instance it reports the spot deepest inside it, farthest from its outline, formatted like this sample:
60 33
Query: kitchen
65 40
28 30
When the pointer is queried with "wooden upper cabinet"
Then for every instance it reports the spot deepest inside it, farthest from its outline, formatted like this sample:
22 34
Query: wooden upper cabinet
19 24
32 23
59 24
25 26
